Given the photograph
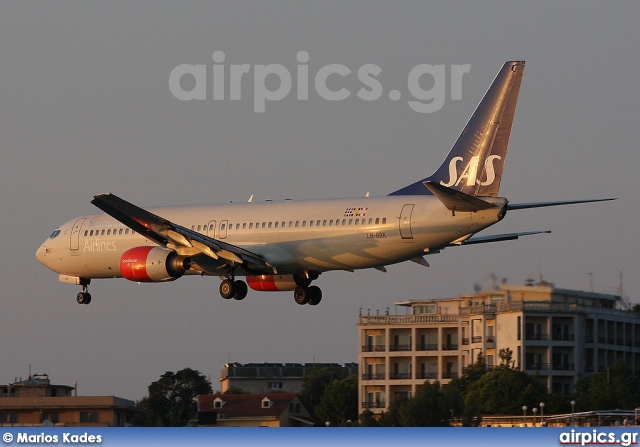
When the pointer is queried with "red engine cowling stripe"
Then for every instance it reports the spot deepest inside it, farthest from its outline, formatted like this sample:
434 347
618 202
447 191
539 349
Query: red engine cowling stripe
262 283
133 264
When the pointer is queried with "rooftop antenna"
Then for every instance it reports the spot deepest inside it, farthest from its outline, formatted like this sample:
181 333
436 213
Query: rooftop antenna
590 281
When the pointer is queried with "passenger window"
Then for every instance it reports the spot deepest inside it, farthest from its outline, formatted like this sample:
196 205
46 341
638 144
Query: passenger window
251 226
297 223
344 221
86 232
324 223
283 224
384 220
377 220
263 224
310 223
350 221
126 231
109 232
277 223
244 226
304 223
91 233
317 223
337 222
237 226
357 221
199 227
120 232
223 226
270 223
102 233
370 221
290 224
331 223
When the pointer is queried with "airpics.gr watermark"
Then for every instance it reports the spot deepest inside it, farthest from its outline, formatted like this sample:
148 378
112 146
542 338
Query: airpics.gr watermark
229 79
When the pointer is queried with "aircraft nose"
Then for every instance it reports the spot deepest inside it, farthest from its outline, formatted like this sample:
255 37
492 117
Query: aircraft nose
41 254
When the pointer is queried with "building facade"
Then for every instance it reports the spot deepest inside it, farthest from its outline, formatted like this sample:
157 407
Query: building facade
552 332
37 402
278 377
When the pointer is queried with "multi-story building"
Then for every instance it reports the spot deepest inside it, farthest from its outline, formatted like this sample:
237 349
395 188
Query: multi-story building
555 333
35 401
270 377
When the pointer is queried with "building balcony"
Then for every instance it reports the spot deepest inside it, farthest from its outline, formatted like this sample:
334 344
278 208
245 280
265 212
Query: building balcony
563 367
536 366
399 376
490 339
373 376
427 347
450 375
476 339
536 337
377 404
373 348
407 319
427 375
564 337
450 347
404 347
589 338
465 341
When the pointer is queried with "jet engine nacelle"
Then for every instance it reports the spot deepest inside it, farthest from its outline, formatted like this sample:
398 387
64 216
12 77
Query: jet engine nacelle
271 283
152 264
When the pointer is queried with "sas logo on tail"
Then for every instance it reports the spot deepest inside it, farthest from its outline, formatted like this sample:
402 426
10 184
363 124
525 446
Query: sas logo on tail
470 172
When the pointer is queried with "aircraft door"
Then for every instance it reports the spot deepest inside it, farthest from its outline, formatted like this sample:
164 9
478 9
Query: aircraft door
211 229
222 232
405 222
74 241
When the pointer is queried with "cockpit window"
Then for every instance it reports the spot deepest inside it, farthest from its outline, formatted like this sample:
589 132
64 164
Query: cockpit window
54 234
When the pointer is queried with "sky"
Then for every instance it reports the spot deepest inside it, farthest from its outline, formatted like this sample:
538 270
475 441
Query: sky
87 106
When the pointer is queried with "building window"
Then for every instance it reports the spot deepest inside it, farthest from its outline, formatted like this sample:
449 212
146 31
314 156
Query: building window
86 416
275 385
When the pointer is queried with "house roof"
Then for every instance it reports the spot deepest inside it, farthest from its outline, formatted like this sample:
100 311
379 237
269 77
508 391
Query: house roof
246 405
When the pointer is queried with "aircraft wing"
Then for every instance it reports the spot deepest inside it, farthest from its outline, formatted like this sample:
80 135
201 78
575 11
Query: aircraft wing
164 232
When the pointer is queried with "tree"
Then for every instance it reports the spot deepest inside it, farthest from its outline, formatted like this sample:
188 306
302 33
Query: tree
504 390
172 399
426 409
339 403
314 383
610 389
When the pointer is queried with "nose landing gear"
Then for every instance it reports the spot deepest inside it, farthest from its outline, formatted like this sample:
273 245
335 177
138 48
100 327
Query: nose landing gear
84 297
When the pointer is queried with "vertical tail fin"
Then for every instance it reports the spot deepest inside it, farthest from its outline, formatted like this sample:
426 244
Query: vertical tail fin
475 163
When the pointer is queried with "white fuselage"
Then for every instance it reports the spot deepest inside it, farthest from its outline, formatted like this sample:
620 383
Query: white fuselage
293 236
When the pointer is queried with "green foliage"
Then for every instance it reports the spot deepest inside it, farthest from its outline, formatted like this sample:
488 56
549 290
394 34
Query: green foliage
172 399
339 402
504 391
235 390
314 383
609 389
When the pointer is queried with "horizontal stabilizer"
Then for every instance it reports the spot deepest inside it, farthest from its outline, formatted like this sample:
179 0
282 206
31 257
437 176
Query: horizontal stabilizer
522 206
457 200
499 237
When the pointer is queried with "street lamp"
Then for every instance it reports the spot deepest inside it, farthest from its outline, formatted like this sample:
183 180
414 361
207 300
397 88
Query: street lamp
535 410
541 413
573 404
524 418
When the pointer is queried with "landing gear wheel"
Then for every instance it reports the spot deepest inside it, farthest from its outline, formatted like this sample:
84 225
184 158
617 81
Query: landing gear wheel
83 298
315 295
241 290
227 289
301 295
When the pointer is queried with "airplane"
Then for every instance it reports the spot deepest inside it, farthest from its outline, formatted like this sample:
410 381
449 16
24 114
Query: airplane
286 245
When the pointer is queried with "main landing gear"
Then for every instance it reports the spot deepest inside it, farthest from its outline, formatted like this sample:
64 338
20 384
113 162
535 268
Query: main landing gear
305 293
233 289
84 297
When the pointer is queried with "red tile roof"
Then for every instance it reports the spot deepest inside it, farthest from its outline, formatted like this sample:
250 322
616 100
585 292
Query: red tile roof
246 405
